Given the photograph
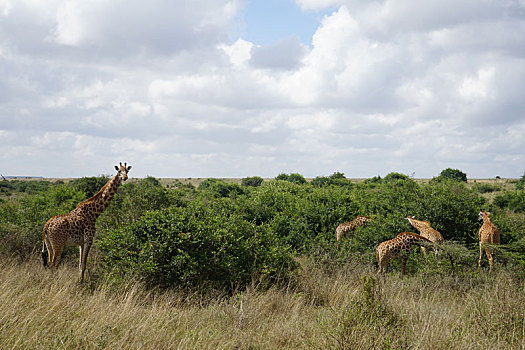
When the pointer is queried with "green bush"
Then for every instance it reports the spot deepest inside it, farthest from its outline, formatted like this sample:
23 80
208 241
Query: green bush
195 246
520 185
253 181
293 177
452 174
336 179
486 188
395 177
219 188
132 200
22 219
89 185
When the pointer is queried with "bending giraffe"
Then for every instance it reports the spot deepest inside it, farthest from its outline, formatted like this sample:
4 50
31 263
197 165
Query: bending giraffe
488 234
397 247
78 226
426 231
344 228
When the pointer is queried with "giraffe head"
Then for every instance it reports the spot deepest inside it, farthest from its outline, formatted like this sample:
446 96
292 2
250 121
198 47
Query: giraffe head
123 171
482 213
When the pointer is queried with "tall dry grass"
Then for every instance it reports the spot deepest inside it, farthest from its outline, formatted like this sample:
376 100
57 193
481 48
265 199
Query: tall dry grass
339 308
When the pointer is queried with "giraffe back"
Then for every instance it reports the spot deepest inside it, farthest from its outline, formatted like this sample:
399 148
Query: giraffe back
488 232
397 247
346 227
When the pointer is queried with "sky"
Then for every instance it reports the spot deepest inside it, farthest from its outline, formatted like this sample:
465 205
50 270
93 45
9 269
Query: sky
236 88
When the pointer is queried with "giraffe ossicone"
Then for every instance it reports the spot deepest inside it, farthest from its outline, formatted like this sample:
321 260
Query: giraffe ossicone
78 226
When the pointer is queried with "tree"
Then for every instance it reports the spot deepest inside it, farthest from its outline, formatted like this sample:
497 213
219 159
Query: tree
452 174
521 183
253 181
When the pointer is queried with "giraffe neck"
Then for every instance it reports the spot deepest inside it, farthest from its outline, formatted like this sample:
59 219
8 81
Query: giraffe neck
95 205
486 219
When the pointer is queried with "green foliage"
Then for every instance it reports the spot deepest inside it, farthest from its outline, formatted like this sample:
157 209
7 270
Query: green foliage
336 179
293 177
132 200
199 245
253 181
219 188
283 215
452 174
22 219
503 200
24 186
520 185
89 185
514 201
486 187
395 177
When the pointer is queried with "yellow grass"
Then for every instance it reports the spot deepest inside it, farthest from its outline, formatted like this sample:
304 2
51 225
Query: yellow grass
321 309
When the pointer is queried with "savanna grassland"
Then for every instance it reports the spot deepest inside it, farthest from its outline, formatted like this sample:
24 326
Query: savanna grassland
253 264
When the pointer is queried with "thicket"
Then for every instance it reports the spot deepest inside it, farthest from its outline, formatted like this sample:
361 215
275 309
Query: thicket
224 235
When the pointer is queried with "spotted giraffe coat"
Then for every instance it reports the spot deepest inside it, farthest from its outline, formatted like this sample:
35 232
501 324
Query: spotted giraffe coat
397 247
78 226
426 230
346 227
488 234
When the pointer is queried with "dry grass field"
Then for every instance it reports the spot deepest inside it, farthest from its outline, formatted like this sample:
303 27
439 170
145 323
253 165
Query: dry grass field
344 308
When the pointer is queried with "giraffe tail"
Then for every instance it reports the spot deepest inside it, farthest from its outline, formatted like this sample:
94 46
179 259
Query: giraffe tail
44 250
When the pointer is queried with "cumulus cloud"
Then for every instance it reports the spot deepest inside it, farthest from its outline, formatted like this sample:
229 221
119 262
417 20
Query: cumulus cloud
383 86
285 54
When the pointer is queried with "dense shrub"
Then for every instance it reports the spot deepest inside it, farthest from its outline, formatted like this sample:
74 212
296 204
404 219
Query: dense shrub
293 177
132 200
198 245
520 185
486 187
452 174
336 179
219 188
22 219
395 177
253 181
24 186
89 185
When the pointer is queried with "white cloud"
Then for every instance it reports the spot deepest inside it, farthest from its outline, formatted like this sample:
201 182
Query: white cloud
405 86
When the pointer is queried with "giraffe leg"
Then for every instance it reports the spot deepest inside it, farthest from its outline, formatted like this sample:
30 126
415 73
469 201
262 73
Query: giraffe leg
84 251
489 256
57 253
383 263
480 255
47 248
404 259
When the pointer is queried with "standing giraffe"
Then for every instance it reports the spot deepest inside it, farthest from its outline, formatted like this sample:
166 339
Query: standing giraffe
488 234
397 247
426 231
344 228
78 226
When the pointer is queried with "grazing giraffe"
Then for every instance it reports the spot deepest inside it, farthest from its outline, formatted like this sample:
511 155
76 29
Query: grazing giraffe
426 231
344 228
488 234
397 247
78 226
